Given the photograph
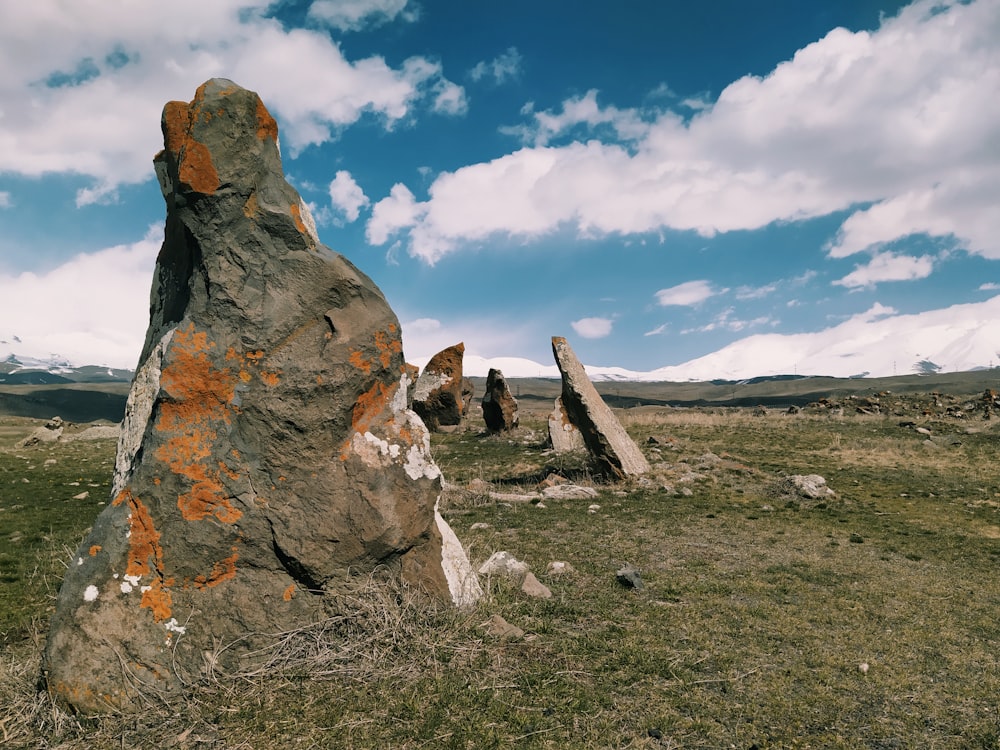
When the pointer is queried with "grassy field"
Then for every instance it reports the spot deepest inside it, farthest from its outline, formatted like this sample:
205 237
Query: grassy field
866 620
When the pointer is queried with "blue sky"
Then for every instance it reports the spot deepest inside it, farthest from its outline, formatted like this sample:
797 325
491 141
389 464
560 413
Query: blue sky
656 181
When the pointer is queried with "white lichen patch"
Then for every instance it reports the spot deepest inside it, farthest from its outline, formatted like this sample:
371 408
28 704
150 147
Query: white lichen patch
420 464
128 584
138 409
174 627
90 593
79 561
308 221
427 383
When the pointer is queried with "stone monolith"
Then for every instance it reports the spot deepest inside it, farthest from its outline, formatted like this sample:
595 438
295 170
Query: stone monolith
614 452
499 404
267 455
438 395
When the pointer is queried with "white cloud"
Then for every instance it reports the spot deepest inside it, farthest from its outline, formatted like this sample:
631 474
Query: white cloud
352 15
660 329
390 214
592 328
888 267
450 99
346 195
727 321
500 69
902 121
688 293
82 85
990 286
5 199
69 311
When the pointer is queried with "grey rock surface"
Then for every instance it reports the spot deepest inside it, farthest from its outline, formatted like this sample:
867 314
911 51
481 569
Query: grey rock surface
438 396
266 454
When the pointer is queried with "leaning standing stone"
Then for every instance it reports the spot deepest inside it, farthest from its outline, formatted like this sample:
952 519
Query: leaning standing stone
614 452
499 405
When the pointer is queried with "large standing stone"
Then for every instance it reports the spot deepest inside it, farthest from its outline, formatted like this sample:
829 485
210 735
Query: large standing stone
438 395
563 435
267 453
614 452
499 405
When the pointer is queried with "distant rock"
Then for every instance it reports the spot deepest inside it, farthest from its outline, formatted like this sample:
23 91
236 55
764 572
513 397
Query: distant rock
499 405
531 586
50 432
503 563
563 435
438 395
267 454
615 453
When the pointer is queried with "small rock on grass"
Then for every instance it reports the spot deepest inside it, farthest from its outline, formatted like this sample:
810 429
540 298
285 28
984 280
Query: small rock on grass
629 577
500 628
533 587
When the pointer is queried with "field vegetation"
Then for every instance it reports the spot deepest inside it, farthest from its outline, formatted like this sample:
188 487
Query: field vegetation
867 619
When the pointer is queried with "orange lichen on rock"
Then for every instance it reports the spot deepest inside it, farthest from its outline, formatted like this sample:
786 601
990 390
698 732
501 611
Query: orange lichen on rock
200 395
370 404
194 161
289 593
144 539
270 378
387 345
297 216
266 126
223 570
157 600
94 549
358 360
144 545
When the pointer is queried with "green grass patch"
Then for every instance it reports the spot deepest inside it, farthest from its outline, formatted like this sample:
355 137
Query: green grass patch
866 621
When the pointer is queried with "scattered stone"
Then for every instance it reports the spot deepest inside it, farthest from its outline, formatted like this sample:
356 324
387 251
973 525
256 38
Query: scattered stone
82 496
479 526
922 431
503 563
863 667
810 486
857 539
611 448
438 395
50 462
563 435
267 451
50 432
629 577
97 432
499 405
559 568
498 627
531 586
569 492
552 480
593 508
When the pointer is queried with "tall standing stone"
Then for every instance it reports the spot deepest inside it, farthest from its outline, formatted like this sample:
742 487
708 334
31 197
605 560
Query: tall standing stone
267 453
438 395
499 404
614 452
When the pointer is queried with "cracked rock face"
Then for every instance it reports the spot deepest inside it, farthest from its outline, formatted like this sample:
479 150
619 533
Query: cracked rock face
438 395
267 451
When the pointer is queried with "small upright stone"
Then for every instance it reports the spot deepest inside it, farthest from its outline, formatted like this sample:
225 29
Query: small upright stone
438 395
499 405
614 452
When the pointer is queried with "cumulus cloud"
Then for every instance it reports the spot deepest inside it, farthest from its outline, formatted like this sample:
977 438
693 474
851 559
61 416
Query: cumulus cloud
592 328
499 69
688 293
901 122
352 15
64 312
888 267
346 195
83 84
